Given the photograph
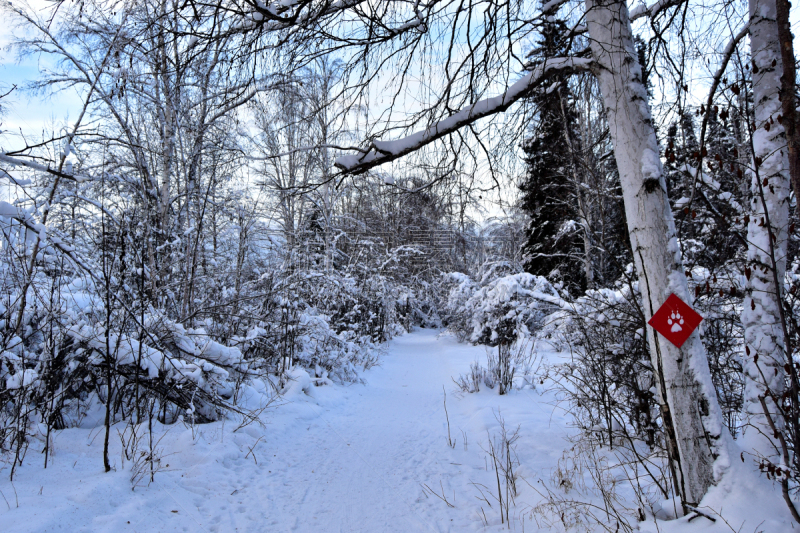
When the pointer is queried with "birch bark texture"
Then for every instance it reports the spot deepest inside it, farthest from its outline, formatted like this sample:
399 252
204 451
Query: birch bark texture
767 233
692 418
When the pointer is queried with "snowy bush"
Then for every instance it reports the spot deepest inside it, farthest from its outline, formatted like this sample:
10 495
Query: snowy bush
91 342
498 309
503 311
718 297
608 380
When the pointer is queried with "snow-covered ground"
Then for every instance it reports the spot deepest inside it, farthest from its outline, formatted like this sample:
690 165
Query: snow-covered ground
361 458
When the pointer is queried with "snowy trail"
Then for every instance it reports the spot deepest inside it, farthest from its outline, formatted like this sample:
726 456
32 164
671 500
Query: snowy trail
340 459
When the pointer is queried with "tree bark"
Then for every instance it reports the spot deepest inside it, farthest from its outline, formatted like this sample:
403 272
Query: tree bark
692 418
788 95
767 233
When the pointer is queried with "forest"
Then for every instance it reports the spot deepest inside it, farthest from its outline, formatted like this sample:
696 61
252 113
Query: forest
270 192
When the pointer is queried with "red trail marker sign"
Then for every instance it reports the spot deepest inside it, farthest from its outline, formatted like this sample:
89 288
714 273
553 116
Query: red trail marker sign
675 320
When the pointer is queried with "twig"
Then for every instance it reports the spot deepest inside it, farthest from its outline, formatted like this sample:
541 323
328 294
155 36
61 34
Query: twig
252 448
442 497
699 513
4 497
450 441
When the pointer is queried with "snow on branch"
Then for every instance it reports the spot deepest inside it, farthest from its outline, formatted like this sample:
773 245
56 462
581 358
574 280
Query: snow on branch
643 10
14 161
286 14
210 356
282 15
301 150
552 5
385 151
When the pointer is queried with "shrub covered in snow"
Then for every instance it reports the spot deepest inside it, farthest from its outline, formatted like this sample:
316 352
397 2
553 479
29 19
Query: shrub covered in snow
501 308
102 341
504 310
607 379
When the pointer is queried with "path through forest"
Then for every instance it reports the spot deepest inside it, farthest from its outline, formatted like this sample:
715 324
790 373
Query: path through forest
352 458
363 461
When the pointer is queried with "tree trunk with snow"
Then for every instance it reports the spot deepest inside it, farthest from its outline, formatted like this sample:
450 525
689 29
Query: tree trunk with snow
767 232
691 414
164 90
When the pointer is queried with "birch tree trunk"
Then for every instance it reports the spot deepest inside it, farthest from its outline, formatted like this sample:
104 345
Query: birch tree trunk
165 96
692 419
767 233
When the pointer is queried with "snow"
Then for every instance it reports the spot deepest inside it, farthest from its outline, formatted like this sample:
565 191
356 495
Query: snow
682 202
21 379
642 10
299 383
35 166
552 5
330 458
651 165
217 353
338 458
8 210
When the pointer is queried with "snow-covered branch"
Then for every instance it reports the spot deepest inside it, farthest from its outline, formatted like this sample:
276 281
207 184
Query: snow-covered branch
301 149
282 15
552 6
385 151
643 10
15 161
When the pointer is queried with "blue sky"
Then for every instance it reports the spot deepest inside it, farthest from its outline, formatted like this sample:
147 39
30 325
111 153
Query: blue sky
28 113
31 113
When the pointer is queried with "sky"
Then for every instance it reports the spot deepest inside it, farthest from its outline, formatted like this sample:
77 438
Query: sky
30 115
26 113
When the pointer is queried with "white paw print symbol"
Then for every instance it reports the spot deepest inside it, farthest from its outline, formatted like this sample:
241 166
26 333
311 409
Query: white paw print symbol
675 320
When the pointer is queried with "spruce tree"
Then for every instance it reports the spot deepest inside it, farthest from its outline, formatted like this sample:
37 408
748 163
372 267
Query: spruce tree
553 241
704 224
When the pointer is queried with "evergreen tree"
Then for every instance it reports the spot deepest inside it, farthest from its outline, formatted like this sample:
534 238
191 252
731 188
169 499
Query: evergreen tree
612 234
553 241
716 198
